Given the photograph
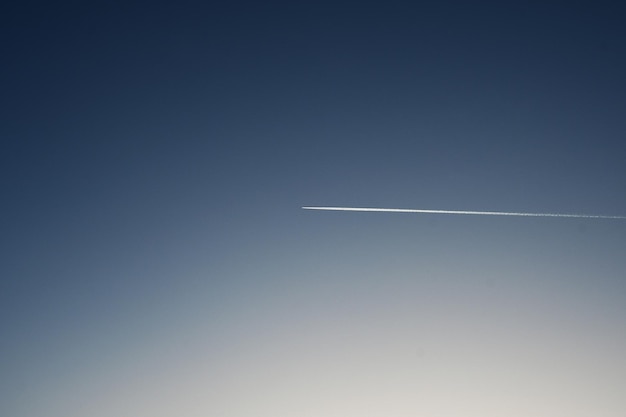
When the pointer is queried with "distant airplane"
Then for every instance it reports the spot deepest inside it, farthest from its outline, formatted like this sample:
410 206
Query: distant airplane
479 213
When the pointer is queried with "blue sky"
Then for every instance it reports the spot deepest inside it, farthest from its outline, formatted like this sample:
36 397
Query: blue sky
156 261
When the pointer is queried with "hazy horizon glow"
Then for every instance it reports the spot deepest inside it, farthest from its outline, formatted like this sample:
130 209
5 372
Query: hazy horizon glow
156 261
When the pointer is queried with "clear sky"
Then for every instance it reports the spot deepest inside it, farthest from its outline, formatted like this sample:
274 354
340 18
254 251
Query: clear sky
155 260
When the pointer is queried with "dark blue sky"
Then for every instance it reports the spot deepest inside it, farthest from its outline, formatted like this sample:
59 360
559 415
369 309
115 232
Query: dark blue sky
154 159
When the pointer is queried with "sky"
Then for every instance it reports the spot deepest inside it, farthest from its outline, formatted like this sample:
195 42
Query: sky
156 261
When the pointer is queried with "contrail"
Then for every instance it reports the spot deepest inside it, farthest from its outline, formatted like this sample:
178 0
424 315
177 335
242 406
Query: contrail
475 213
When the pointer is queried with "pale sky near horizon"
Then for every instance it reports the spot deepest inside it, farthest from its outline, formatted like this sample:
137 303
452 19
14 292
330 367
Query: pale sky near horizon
156 261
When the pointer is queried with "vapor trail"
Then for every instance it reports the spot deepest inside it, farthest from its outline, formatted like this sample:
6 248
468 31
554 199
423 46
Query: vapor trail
478 213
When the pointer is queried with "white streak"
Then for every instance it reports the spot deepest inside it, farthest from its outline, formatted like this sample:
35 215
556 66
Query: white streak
479 213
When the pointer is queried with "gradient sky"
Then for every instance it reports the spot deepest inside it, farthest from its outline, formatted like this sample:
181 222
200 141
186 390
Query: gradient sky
156 262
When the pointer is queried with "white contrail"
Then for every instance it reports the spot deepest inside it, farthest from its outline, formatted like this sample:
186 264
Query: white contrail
479 213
